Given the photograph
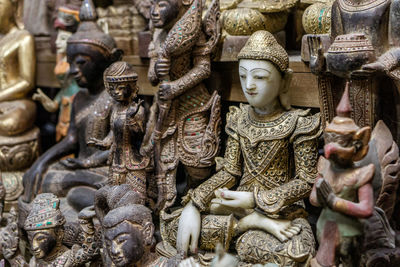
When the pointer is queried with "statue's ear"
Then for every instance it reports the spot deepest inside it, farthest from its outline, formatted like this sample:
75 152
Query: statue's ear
361 138
284 92
148 232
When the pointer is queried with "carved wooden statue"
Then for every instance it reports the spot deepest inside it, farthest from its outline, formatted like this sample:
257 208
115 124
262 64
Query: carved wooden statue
9 240
127 129
185 118
66 24
272 153
45 229
89 52
127 227
365 49
343 190
18 137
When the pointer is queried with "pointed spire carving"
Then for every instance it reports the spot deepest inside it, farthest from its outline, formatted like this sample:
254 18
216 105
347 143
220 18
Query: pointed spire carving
88 11
344 108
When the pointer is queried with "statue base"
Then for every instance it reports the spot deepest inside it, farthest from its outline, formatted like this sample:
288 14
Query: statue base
19 152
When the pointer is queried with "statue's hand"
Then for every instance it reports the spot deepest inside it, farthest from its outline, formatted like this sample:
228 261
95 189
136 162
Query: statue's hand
317 60
375 66
188 229
325 194
87 213
40 96
74 163
99 144
162 67
32 180
48 104
133 109
234 199
165 92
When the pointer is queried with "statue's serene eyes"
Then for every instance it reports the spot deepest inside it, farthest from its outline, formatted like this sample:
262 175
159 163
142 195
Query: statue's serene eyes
80 61
121 239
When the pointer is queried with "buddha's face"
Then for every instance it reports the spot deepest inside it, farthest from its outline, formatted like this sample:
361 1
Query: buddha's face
84 68
163 12
124 243
61 41
261 82
122 92
42 242
6 11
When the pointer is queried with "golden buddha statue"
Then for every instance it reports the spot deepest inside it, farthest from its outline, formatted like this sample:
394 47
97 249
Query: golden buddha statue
270 160
17 74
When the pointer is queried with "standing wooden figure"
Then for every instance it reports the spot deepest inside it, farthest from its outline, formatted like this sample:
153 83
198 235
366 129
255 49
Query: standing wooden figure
185 120
127 129
343 190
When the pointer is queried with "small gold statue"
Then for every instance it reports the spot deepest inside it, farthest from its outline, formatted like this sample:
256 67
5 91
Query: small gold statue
127 129
45 228
18 138
272 153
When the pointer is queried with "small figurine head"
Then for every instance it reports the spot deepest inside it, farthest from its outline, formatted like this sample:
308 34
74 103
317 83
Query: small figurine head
44 225
120 81
264 71
164 13
345 142
90 51
66 23
128 231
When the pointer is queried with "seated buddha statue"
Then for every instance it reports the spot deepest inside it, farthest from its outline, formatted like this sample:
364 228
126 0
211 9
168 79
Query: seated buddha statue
17 75
256 197
89 53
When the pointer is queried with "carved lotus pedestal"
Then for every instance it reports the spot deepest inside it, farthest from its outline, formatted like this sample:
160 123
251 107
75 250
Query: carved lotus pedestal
16 154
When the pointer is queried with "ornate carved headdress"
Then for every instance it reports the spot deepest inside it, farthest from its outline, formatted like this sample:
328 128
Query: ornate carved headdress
342 123
263 45
45 213
90 33
120 71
